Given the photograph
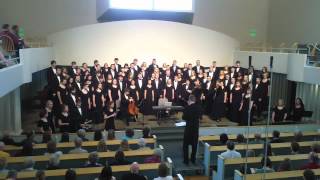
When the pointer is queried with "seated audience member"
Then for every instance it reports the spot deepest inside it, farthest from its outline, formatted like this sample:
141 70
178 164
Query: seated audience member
267 168
146 132
78 147
12 175
97 135
65 137
106 174
46 136
142 144
308 174
93 159
163 172
257 139
124 145
7 140
82 134
3 166
240 139
223 139
156 157
111 135
54 162
28 164
315 147
52 148
129 134
295 147
2 153
298 110
279 113
30 138
102 146
40 175
267 149
313 162
298 136
285 165
250 153
43 123
231 152
276 137
27 149
70 175
134 173
120 159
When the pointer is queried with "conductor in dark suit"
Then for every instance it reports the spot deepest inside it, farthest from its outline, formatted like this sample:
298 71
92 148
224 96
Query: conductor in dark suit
191 114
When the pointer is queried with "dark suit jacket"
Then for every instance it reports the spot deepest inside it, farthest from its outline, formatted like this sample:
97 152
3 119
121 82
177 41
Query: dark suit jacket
192 115
195 68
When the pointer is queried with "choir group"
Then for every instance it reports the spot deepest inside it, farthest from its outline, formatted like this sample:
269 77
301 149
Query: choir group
79 95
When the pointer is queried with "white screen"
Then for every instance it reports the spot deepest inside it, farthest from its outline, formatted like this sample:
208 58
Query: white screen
159 5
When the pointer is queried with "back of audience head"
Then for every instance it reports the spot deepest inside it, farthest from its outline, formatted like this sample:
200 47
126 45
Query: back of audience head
102 146
65 137
314 158
257 136
163 170
106 173
240 138
298 136
142 143
40 175
295 147
93 157
119 156
111 135
308 174
28 163
51 147
54 160
285 165
70 175
27 149
250 153
223 138
3 163
129 133
135 168
97 135
146 132
78 142
81 134
124 145
275 134
315 147
230 145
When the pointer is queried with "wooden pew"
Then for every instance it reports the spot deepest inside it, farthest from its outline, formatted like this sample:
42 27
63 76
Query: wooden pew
211 152
226 167
88 145
298 174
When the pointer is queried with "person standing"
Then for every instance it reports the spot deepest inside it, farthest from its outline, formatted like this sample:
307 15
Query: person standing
191 114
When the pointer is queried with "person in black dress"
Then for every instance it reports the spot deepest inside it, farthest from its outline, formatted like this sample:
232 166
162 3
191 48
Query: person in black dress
109 116
133 91
297 110
86 102
279 113
64 119
114 93
265 82
51 117
219 98
168 91
235 101
43 123
197 91
98 102
245 107
148 99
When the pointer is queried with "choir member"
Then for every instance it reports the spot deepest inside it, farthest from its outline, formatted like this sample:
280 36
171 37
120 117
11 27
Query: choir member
297 110
198 67
197 91
110 115
73 69
77 84
62 91
174 68
43 123
77 117
114 92
187 88
157 85
265 82
98 103
219 99
86 101
235 101
245 108
117 65
257 97
149 98
51 71
51 117
105 70
134 91
168 91
279 113
64 119
177 86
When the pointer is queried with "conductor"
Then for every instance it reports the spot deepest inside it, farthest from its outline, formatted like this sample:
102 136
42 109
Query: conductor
191 114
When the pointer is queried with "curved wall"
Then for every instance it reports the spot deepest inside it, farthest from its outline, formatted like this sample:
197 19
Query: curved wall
142 39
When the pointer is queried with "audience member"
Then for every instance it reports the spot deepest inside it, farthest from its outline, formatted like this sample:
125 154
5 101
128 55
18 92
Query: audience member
30 138
156 157
231 152
129 134
111 135
257 139
46 136
264 168
315 147
82 134
78 147
27 149
267 149
124 145
3 166
313 162
70 175
106 174
120 159
43 123
298 136
52 148
40 175
163 172
2 153
102 146
295 147
142 144
28 164
97 135
308 174
250 153
146 132
134 173
223 139
93 159
240 139
65 137
276 137
285 165
54 161
7 140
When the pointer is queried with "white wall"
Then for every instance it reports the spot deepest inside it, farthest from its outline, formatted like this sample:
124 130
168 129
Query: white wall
10 78
294 21
42 17
143 40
